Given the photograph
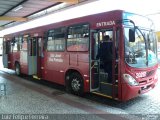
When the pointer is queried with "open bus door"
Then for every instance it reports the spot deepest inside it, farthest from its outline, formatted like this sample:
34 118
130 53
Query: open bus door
99 83
94 62
6 49
34 56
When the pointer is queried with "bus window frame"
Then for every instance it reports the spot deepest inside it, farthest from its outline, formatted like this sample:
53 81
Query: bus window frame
27 36
16 40
46 40
80 24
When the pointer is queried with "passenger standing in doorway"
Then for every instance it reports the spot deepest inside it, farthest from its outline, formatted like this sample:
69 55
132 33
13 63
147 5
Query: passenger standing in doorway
105 54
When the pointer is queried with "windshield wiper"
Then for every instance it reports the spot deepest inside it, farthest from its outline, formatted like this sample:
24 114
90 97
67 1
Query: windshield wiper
146 45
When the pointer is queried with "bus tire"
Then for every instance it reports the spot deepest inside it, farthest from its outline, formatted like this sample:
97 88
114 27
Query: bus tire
17 69
76 83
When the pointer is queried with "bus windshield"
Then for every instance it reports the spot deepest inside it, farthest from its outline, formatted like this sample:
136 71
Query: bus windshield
140 53
136 52
140 21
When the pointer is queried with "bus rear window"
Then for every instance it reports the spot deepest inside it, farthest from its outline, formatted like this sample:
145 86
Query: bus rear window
78 38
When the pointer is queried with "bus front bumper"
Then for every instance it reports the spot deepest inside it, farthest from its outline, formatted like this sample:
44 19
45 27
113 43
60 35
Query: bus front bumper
129 92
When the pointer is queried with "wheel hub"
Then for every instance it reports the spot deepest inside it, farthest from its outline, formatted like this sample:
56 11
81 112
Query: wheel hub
75 84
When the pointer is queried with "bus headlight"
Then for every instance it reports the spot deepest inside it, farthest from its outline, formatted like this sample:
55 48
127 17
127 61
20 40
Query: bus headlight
130 80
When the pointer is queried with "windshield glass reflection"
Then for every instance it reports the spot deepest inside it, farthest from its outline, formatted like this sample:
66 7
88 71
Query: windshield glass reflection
142 52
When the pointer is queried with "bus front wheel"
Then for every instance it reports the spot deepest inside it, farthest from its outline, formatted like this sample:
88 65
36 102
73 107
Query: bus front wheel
76 83
17 69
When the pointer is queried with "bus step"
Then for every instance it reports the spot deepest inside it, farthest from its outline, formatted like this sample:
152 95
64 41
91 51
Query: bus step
106 88
102 94
36 77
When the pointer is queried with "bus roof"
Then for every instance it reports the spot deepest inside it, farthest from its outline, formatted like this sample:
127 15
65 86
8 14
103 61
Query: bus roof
95 20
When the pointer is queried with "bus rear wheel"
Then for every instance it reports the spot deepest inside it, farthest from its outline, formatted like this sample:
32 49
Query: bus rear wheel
17 69
76 83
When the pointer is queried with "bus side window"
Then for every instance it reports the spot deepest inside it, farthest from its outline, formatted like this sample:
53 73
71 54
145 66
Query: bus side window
56 39
78 38
20 42
15 44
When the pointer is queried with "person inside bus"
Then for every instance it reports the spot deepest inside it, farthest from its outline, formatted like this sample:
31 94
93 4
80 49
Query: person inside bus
105 55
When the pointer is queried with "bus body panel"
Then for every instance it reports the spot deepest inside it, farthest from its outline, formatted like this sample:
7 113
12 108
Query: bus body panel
13 58
56 64
144 76
135 91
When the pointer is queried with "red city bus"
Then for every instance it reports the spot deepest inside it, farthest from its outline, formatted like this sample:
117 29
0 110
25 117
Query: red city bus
74 53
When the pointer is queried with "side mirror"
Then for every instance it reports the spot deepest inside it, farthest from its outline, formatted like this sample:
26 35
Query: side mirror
131 35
